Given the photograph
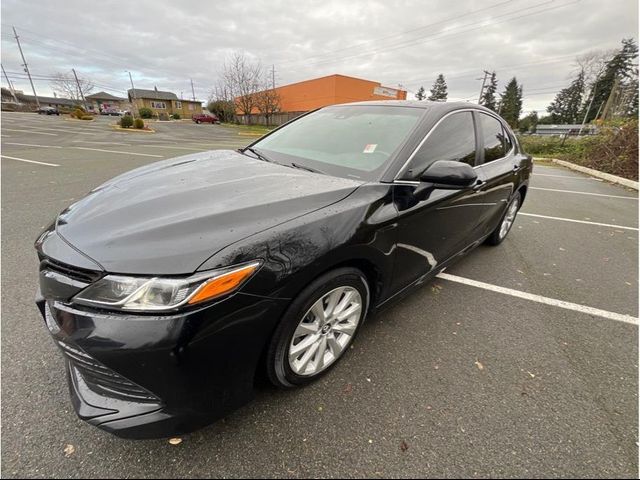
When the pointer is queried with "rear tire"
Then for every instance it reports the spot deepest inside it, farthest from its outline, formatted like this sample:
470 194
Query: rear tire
318 328
506 222
198 122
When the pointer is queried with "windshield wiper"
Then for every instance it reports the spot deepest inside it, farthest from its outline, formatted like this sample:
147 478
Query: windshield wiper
259 155
308 169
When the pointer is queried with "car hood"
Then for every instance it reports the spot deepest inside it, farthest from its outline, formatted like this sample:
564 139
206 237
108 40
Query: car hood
169 217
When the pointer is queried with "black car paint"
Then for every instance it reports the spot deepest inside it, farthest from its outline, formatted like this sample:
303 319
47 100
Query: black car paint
193 213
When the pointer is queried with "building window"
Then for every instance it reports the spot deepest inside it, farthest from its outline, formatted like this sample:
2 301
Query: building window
192 106
159 105
179 105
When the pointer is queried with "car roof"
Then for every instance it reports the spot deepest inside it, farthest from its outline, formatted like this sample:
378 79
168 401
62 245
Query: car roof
436 107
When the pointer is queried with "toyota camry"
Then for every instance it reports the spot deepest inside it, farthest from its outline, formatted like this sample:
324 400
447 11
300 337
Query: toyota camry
171 288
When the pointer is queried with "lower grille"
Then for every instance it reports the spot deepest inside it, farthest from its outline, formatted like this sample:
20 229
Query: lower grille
103 380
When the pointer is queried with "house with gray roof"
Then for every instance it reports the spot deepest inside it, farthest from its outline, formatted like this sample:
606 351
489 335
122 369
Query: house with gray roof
161 102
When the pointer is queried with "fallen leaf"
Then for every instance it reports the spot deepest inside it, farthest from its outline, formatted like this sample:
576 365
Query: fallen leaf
369 380
479 365
429 407
175 441
531 374
319 409
562 249
69 450
370 441
403 446
347 388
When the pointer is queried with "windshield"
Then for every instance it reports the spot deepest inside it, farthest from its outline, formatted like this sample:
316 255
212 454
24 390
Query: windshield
346 141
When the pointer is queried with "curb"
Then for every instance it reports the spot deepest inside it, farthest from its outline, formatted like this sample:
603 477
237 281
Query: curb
68 119
594 173
117 128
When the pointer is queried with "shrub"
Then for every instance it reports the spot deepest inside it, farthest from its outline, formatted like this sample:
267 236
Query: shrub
163 116
145 112
78 112
176 116
138 123
126 121
613 150
86 117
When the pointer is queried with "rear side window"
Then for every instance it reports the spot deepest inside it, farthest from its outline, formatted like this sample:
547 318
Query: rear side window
452 139
496 143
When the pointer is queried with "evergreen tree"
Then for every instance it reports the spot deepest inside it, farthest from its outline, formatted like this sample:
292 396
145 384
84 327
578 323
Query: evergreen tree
566 107
511 103
421 95
488 98
529 123
621 66
439 90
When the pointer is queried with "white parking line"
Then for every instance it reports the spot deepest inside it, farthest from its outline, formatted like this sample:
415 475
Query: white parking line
33 145
64 130
119 151
30 161
171 146
101 143
585 193
577 221
29 131
571 177
576 307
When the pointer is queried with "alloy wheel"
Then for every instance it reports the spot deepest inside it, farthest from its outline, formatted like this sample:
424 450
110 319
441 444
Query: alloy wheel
325 331
509 218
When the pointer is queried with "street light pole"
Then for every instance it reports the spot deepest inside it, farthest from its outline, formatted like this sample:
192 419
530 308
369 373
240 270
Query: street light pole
134 107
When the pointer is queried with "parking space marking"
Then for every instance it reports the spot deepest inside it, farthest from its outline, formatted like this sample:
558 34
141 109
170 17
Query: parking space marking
576 307
30 161
29 131
578 221
32 145
64 130
119 151
101 143
626 197
571 177
173 146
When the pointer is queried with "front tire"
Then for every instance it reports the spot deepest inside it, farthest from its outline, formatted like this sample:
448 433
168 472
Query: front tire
318 328
509 217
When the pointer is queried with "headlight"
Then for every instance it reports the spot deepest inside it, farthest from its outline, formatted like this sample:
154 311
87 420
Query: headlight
155 294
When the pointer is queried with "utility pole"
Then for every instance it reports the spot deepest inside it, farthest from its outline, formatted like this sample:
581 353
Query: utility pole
273 77
26 68
611 100
134 107
484 81
193 92
586 114
80 89
13 94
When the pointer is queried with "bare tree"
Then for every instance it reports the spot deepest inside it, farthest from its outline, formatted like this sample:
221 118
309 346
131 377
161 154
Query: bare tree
65 85
240 82
267 101
592 64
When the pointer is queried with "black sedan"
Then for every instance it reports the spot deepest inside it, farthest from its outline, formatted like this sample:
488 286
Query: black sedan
171 288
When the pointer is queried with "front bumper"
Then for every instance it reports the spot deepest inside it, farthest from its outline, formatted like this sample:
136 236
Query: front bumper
143 376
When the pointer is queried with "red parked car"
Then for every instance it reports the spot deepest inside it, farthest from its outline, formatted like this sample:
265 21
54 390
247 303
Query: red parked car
205 118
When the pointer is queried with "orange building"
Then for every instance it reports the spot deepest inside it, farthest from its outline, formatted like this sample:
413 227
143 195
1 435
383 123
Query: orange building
323 91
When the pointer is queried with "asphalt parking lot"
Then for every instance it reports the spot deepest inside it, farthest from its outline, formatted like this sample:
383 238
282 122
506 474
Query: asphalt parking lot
461 379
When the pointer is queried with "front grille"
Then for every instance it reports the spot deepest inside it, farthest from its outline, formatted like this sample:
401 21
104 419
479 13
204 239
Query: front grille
103 380
78 274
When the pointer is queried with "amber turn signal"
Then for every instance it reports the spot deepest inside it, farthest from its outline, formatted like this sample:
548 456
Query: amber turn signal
223 284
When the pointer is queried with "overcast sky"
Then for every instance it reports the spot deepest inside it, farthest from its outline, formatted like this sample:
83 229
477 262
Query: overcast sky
166 43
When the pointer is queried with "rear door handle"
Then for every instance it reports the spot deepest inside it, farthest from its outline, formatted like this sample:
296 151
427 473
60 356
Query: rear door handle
517 168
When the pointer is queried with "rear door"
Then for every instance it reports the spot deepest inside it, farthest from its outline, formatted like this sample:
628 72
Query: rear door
498 169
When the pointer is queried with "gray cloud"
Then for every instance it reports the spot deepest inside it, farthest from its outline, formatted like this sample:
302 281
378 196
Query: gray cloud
165 43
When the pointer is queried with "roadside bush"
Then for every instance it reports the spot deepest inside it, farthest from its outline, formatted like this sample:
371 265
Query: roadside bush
224 110
163 116
86 117
78 112
145 112
126 121
138 123
176 116
613 150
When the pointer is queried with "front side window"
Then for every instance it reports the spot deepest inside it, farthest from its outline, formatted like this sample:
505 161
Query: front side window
452 139
346 141
495 145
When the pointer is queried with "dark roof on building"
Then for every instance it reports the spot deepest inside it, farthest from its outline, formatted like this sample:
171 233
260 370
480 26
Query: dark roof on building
153 94
104 96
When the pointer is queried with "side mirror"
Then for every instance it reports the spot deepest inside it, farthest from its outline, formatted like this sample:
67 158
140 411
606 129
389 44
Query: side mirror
446 174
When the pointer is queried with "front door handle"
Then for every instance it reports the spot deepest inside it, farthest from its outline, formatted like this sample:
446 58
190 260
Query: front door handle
516 168
479 185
